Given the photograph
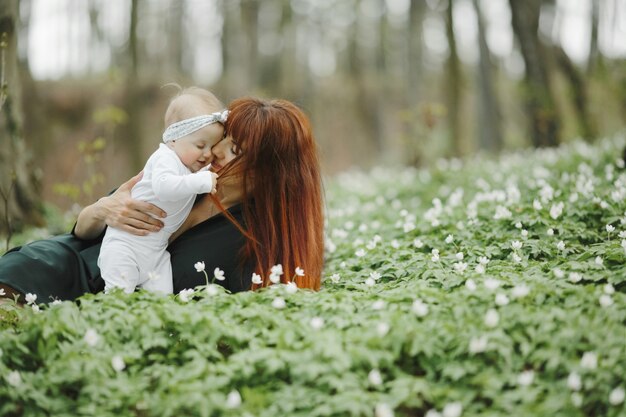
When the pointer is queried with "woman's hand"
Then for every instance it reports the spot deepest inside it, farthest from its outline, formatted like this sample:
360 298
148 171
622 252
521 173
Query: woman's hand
121 211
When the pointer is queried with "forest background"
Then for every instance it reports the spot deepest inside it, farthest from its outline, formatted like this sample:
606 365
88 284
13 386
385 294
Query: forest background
385 82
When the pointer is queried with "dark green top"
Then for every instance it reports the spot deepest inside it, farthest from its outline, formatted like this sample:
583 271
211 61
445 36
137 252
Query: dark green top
65 267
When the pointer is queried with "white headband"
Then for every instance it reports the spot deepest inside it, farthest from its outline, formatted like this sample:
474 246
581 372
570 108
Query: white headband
184 127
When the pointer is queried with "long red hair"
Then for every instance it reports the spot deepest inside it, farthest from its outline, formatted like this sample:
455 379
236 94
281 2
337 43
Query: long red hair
281 184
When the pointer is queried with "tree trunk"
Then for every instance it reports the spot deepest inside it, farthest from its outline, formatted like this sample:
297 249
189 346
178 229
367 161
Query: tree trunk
489 126
539 102
453 81
19 194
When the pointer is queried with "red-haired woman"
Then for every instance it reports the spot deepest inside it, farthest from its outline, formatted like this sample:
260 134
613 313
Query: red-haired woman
267 211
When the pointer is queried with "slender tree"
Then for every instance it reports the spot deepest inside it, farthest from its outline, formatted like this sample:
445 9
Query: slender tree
539 101
18 177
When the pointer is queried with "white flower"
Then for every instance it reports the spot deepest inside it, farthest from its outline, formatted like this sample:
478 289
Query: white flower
219 274
492 318
577 399
419 308
558 273
212 290
470 285
483 260
370 282
502 299
610 228
185 294
360 253
449 239
14 378
609 289
616 397
520 291
575 276
606 300
454 409
299 271
480 269
378 305
233 400
556 210
274 278
418 243
30 298
199 266
526 378
256 278
560 245
334 278
118 363
599 260
516 244
375 275
382 328
383 410
374 377
574 382
277 270
478 344
550 232
278 303
460 267
291 288
317 323
492 283
589 360
91 337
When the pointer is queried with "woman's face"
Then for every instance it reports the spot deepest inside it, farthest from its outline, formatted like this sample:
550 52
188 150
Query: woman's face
223 152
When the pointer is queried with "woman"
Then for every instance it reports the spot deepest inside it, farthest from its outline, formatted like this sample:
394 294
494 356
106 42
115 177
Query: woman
268 211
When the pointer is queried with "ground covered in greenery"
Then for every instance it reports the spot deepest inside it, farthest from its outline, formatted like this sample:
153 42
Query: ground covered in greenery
485 287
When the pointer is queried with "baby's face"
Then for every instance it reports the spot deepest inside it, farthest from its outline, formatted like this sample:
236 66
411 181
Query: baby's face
194 150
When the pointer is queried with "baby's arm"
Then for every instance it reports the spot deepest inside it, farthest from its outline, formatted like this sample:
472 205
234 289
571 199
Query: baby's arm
168 185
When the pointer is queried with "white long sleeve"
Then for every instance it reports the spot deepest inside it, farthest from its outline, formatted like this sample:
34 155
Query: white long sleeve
169 185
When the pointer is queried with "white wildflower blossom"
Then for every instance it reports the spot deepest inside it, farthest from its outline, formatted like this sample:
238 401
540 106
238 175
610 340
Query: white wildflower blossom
478 344
233 400
118 364
256 278
317 323
199 266
501 299
606 300
574 382
374 377
30 298
492 318
589 360
526 378
383 410
91 337
419 308
278 303
454 409
616 397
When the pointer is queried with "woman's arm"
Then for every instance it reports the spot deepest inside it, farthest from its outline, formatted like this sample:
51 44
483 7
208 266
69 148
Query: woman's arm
119 210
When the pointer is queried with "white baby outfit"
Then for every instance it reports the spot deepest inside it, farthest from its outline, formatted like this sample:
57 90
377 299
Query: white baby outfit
130 261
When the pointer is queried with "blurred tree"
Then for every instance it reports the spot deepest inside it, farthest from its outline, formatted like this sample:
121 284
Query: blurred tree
489 126
453 83
539 101
18 177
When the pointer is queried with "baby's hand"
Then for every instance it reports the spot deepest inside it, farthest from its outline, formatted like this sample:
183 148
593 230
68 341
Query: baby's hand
214 177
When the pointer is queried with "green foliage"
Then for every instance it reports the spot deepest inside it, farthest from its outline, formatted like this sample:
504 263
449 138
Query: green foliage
537 329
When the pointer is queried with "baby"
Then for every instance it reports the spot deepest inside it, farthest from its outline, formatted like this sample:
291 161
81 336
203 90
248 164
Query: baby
172 178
